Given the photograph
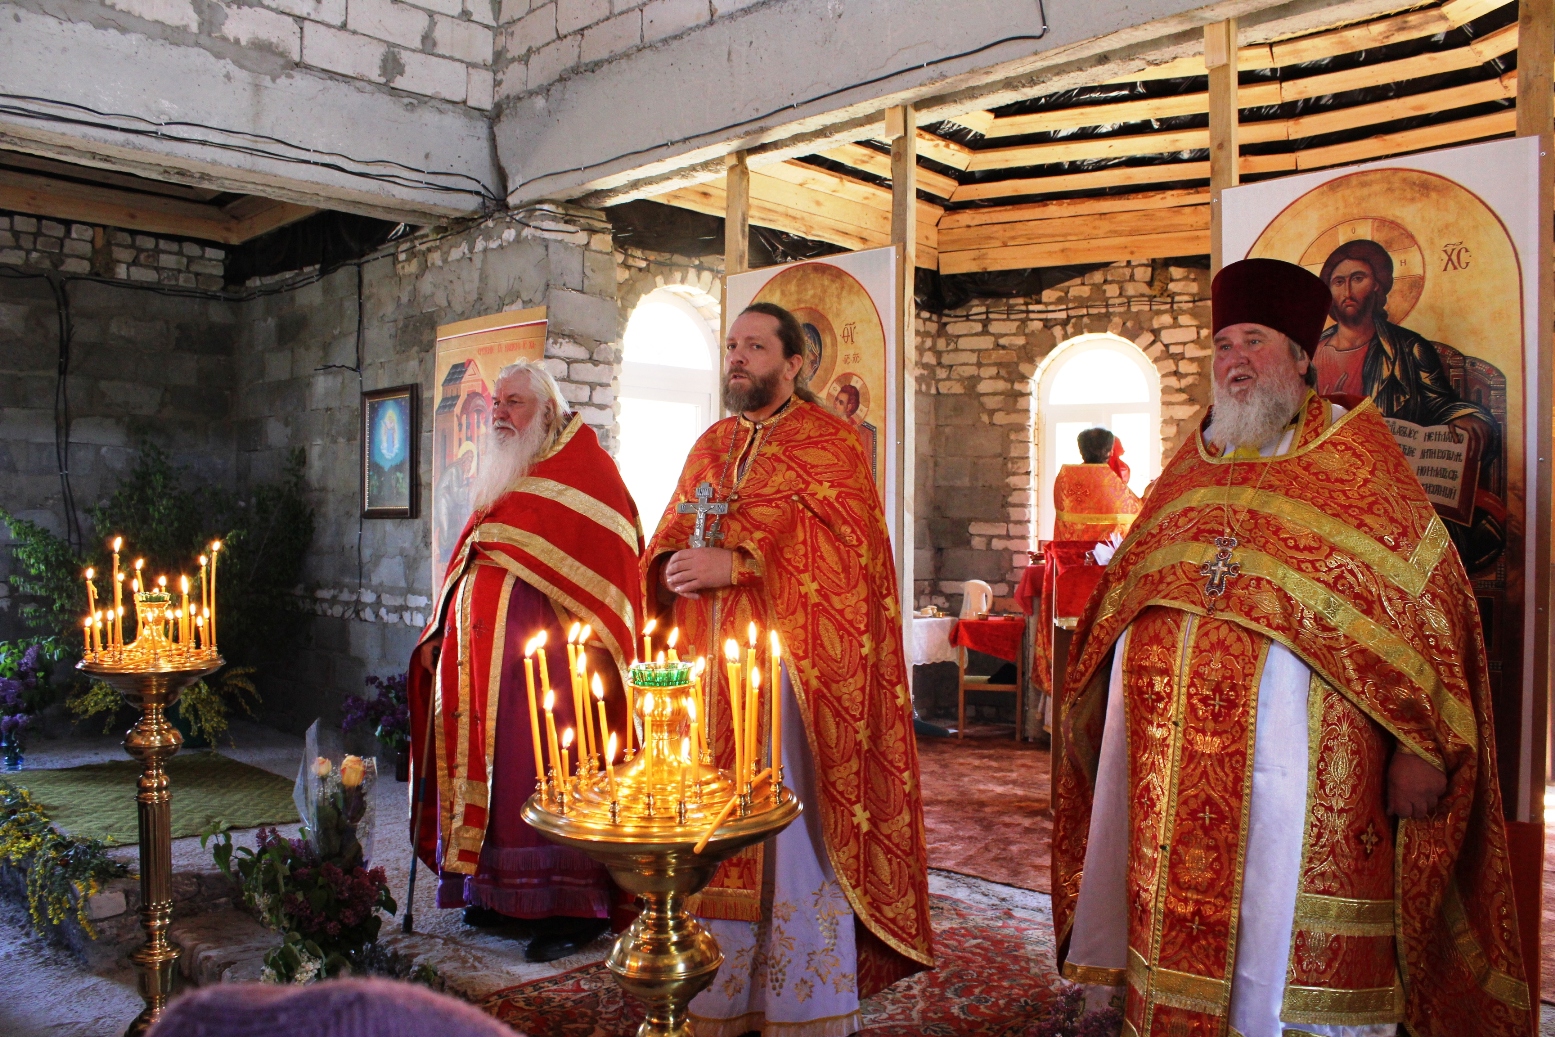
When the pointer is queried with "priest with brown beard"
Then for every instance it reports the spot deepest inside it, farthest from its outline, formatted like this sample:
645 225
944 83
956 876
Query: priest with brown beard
1276 804
553 542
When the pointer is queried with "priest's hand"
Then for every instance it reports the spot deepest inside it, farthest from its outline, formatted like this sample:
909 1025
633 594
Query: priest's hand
698 569
429 653
1414 786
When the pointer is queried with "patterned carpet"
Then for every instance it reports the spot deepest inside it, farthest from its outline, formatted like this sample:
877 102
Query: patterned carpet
986 808
995 973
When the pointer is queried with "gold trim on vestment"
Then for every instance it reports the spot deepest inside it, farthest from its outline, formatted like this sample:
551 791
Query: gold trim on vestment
576 500
1320 600
1325 1006
456 827
499 643
1084 518
1296 450
440 755
1344 916
1408 574
1095 975
1235 908
1493 981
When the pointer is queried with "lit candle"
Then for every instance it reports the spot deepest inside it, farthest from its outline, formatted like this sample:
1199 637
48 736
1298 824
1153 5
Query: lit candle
753 725
186 628
631 711
205 602
99 631
732 660
750 693
118 577
534 712
704 700
682 761
572 661
696 726
599 703
550 727
91 591
776 694
566 757
585 715
88 644
610 767
215 552
199 632
579 710
674 636
118 611
135 585
648 639
545 671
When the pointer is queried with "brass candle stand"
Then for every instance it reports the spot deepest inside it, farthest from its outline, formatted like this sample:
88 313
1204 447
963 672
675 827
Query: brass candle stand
151 677
661 824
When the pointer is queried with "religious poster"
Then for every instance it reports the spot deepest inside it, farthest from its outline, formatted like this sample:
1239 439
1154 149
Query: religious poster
1431 262
845 305
389 453
469 355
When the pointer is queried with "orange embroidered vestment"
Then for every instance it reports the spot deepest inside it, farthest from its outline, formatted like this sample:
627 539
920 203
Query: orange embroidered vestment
1091 503
1343 562
568 529
813 561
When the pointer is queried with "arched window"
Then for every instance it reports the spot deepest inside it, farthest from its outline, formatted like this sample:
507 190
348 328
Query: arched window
669 392
1088 381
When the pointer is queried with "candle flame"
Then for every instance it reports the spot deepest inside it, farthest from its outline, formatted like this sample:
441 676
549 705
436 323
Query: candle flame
87 622
585 634
698 666
119 577
661 657
674 636
215 546
529 647
567 739
755 677
118 542
162 582
203 561
183 584
599 688
542 637
648 626
685 749
648 703
98 614
199 621
777 646
691 708
572 635
138 563
752 631
732 650
610 746
550 699
90 572
583 663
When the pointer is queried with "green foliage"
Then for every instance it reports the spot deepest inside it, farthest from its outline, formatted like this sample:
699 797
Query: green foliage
49 574
63 872
207 708
34 663
96 699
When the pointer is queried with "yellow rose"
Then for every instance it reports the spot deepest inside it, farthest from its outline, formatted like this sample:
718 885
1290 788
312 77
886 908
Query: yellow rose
351 771
321 767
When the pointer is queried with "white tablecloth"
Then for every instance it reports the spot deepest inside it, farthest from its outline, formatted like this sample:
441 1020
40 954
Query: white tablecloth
931 641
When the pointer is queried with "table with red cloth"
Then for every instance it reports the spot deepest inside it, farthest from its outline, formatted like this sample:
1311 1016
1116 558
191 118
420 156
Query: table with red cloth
999 637
1066 575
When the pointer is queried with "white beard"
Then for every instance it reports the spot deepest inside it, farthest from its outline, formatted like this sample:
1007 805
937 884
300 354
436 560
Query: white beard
504 461
1258 418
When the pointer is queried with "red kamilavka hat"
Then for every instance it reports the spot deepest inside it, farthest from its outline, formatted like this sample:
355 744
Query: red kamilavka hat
1279 295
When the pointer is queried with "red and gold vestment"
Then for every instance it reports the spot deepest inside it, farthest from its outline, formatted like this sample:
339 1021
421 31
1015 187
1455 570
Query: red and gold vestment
1091 503
813 561
1344 563
569 530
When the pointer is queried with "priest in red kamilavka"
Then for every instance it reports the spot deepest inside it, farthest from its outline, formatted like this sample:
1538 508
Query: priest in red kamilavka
1092 500
1276 802
836 907
553 544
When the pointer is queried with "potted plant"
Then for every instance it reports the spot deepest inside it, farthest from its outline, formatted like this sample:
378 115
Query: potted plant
25 667
388 714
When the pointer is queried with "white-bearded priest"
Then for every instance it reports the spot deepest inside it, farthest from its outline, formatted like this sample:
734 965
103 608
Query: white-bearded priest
554 540
1275 789
835 907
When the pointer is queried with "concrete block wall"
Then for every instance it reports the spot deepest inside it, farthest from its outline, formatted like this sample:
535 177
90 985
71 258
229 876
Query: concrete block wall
541 40
370 583
976 462
142 366
39 243
640 272
432 48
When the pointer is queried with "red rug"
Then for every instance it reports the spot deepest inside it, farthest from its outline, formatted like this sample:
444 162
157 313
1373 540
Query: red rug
986 808
1547 934
994 975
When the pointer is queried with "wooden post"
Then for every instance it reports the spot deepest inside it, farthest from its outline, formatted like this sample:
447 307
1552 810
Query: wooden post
1220 59
902 131
737 215
1525 829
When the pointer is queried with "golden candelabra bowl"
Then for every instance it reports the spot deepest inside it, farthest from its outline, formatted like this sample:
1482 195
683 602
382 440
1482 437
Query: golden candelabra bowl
151 681
646 835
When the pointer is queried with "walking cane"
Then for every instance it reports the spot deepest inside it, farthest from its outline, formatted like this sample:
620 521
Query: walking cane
421 788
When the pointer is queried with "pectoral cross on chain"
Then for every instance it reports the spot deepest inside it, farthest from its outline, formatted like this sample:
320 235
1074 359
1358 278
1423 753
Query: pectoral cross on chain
1220 570
703 507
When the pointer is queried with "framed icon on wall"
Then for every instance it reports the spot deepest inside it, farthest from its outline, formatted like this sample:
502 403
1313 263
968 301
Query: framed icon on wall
390 431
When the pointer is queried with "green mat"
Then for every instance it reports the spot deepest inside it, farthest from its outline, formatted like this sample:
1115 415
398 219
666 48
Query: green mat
98 800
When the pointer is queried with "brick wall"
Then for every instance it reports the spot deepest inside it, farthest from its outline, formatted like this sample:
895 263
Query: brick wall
37 243
976 460
433 48
640 272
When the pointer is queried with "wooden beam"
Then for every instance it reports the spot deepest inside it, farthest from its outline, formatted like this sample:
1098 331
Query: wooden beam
825 183
1256 56
1535 118
1069 207
904 235
737 200
872 161
1121 176
1088 250
1128 223
1502 41
1411 25
133 210
1500 88
1385 144
1254 95
945 152
977 122
1220 59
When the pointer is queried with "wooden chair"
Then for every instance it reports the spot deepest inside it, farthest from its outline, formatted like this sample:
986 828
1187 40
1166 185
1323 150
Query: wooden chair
974 602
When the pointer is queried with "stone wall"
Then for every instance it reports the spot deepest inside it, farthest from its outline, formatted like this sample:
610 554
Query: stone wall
38 243
369 580
976 514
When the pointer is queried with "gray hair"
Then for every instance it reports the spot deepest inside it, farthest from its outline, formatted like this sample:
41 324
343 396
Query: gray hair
544 386
1298 354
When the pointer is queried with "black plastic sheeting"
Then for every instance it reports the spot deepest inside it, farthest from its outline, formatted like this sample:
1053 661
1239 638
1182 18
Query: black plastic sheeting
1116 92
325 239
655 227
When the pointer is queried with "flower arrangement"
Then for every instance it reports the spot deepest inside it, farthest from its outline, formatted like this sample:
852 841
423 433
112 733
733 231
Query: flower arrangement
317 889
1066 1017
60 868
388 711
25 668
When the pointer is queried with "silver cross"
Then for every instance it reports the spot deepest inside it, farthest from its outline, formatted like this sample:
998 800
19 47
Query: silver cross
1220 570
703 508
